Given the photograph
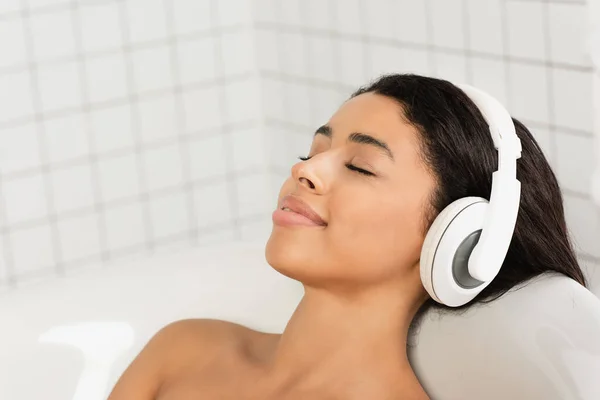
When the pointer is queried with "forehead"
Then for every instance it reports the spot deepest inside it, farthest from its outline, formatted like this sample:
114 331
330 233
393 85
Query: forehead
379 116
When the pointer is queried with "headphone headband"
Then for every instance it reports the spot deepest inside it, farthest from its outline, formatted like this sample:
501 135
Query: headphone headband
501 216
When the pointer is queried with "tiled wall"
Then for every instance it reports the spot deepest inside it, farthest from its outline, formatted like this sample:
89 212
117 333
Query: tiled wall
132 126
530 54
126 127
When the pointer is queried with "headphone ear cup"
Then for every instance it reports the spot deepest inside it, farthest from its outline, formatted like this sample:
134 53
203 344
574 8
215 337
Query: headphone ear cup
446 249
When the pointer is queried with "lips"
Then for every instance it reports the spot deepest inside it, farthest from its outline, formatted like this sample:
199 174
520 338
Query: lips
295 204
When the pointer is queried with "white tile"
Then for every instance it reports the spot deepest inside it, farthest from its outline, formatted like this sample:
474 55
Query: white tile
106 78
191 15
36 4
25 199
202 109
233 12
207 156
379 18
451 67
348 16
265 10
158 118
291 12
292 55
526 29
575 160
10 6
351 62
272 98
212 205
224 234
66 138
238 53
169 214
248 149
257 229
12 42
72 188
447 21
570 86
162 167
124 225
196 60
385 59
19 148
320 58
485 26
27 261
411 21
568 29
529 92
276 181
317 14
243 99
280 156
254 195
146 20
118 177
100 26
592 273
60 86
15 96
152 69
4 273
52 34
79 237
171 244
583 220
490 76
111 128
267 55
415 61
298 103
326 103
544 139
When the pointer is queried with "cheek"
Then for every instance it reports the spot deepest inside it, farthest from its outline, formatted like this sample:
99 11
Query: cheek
369 227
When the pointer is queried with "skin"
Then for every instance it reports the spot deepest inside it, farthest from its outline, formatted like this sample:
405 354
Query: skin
347 338
361 271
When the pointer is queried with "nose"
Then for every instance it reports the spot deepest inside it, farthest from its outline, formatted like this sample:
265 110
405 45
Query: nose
306 174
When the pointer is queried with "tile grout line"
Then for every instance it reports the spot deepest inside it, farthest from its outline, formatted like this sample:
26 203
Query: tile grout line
429 47
37 103
231 180
92 159
183 138
467 42
7 250
118 101
550 83
136 128
129 200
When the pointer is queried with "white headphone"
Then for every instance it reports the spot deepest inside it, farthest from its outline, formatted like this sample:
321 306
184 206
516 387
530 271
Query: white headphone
468 241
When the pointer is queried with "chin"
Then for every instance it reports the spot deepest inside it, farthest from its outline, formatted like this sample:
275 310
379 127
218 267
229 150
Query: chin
292 252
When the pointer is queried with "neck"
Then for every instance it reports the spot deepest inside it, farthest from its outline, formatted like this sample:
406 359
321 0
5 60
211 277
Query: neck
352 342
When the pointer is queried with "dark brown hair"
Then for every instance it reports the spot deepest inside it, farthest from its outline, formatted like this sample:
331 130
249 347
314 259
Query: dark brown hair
457 147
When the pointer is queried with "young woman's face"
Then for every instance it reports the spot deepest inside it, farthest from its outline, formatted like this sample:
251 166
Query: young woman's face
366 181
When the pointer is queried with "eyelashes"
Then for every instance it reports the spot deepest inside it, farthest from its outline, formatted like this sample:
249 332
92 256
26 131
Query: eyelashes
351 167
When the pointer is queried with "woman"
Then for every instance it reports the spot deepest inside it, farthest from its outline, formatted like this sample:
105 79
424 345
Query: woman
377 174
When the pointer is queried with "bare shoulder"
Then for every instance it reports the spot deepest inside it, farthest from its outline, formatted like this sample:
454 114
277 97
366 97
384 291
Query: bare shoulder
184 345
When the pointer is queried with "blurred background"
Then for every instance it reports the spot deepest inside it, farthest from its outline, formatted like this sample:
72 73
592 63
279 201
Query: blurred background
131 127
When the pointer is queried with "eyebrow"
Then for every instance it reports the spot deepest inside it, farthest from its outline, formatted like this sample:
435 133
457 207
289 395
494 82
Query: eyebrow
357 137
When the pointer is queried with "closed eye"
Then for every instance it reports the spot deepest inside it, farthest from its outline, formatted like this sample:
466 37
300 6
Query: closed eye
359 170
351 167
